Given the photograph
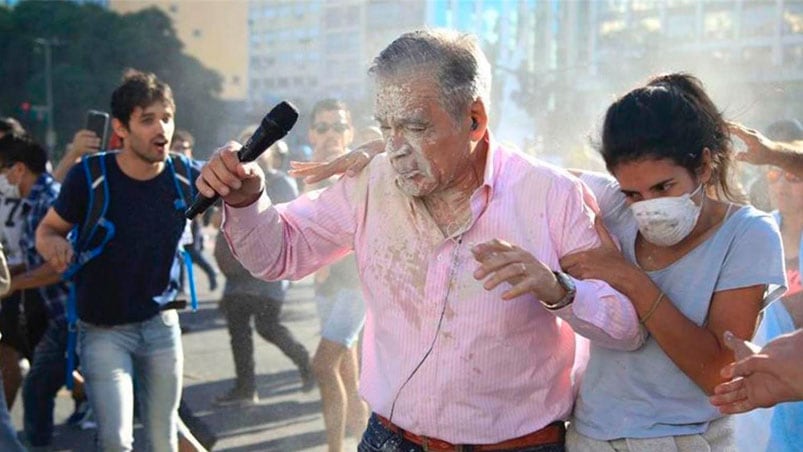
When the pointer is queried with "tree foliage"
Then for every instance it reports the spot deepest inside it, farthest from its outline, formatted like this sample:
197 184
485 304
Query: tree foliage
93 48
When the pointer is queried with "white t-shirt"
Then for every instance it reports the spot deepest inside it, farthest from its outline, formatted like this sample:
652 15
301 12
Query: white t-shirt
12 216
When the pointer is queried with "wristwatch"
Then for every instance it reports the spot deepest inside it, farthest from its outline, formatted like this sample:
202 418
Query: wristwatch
567 283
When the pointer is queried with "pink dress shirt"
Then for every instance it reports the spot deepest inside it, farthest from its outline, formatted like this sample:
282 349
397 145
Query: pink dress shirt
498 369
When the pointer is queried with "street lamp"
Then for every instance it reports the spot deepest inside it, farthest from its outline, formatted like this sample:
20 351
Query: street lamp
50 134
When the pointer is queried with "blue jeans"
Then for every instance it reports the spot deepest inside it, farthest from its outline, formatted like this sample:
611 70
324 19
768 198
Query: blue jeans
112 358
8 434
377 438
43 382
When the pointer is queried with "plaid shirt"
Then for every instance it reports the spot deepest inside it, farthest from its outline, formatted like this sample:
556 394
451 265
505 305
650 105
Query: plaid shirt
42 196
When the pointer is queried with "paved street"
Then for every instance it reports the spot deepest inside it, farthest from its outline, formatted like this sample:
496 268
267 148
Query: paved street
284 420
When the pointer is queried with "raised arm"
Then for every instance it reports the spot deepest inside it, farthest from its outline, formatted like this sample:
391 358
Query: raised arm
84 142
285 241
351 164
764 151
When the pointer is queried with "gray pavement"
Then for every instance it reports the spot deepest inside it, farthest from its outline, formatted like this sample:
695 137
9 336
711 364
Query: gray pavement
285 419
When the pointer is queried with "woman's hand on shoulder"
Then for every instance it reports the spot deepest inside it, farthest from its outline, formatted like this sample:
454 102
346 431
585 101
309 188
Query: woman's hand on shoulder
604 263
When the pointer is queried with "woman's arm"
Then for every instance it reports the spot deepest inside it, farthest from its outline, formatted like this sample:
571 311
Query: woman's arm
697 350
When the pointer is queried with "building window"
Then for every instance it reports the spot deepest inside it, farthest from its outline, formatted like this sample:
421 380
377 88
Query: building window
235 79
196 33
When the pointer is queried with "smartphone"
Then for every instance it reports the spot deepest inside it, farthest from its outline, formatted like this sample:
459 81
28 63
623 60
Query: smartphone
98 122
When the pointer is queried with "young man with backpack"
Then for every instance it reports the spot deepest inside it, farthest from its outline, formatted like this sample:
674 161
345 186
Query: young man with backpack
124 265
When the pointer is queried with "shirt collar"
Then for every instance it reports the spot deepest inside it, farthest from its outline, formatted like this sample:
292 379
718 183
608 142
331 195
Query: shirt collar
486 189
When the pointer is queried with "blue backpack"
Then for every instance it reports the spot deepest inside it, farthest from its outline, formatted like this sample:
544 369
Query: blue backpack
90 237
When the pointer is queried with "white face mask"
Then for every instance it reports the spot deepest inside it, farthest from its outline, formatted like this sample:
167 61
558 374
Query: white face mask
668 220
7 189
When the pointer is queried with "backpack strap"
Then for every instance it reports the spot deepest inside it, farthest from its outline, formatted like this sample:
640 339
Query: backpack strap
182 176
82 237
179 166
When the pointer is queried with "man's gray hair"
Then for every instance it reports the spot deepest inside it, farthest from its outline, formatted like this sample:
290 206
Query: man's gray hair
458 64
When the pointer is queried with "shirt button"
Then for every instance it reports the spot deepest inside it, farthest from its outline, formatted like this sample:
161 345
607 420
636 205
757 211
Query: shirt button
440 258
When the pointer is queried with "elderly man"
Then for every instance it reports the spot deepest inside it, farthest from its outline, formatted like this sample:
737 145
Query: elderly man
468 338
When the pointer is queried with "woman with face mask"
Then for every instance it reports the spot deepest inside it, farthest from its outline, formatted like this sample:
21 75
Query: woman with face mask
696 268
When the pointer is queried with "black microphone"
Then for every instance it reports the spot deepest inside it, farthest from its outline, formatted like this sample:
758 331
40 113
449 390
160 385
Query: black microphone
274 126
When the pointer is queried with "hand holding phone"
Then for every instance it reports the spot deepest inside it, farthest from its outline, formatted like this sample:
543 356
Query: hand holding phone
84 142
98 122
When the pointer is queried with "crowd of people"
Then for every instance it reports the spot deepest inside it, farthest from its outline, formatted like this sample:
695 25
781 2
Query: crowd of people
471 297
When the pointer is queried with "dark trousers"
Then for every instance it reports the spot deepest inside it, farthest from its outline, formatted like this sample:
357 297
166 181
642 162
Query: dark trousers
46 377
378 438
239 310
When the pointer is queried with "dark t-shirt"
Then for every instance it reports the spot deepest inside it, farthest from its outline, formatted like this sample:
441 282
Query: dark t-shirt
139 265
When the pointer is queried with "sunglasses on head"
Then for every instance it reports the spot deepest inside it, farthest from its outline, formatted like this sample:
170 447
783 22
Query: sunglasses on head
323 127
775 174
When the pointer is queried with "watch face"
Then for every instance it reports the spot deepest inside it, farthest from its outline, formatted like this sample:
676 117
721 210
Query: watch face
565 281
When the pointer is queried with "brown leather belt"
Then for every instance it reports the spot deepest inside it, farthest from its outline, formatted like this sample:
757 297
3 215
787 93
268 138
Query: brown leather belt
554 433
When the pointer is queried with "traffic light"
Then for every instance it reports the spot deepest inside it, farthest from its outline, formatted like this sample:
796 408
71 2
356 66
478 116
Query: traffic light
25 108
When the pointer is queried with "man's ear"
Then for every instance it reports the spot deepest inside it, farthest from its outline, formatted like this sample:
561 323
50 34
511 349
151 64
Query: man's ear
119 128
479 120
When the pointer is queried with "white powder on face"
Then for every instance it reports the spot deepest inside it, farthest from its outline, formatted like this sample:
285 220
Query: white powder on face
403 107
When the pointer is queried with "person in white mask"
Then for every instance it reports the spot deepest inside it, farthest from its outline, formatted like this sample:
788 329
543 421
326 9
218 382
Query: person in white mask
696 268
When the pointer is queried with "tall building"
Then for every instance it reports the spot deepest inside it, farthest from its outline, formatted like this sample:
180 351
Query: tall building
580 55
214 31
306 51
557 64
284 51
